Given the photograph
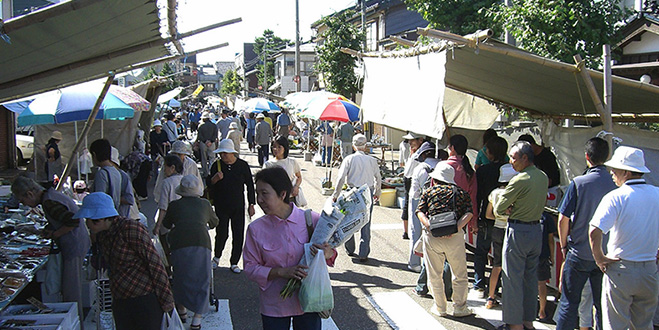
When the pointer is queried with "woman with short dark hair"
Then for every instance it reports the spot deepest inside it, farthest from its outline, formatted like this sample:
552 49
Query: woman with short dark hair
274 245
280 149
172 168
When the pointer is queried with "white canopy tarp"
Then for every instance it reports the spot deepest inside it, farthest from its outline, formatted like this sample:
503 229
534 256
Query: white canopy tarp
405 93
169 95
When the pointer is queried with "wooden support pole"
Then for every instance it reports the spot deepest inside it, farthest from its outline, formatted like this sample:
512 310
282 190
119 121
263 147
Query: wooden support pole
607 121
209 27
402 42
85 130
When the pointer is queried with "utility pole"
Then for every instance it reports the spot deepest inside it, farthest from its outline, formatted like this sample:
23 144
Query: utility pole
265 65
363 5
298 82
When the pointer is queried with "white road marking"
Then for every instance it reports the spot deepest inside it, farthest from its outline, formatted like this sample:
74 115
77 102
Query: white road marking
493 316
402 312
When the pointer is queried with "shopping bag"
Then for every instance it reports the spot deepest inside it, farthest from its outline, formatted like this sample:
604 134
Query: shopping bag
171 322
53 282
160 250
316 289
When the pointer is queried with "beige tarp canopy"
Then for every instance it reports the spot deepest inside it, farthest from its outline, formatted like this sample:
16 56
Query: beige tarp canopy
76 41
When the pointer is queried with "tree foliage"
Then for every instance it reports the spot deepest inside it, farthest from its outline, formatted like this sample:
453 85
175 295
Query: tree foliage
166 71
456 16
557 29
337 68
269 44
560 29
231 83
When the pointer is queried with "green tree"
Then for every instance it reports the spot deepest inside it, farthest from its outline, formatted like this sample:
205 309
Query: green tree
268 45
172 81
231 84
557 29
456 16
337 68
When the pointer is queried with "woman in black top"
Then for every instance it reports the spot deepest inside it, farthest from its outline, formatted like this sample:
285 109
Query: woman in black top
227 180
53 156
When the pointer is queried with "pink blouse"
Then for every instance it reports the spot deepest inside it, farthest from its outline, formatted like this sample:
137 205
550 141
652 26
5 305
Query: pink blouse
462 182
272 242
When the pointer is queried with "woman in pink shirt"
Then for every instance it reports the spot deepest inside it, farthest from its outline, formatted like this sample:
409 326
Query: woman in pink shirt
274 245
465 176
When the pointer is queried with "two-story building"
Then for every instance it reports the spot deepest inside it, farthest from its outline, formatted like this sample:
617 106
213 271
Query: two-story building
285 70
245 63
638 52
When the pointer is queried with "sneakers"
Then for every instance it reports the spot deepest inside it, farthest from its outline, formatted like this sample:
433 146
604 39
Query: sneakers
416 269
235 269
216 262
491 303
462 311
406 236
421 294
436 311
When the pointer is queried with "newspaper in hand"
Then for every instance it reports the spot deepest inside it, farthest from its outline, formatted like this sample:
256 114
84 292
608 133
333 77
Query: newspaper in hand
340 220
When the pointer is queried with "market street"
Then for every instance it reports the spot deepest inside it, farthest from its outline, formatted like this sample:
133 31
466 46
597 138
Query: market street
372 295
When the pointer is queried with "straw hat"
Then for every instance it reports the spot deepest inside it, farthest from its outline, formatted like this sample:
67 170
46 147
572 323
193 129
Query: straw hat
97 205
233 125
359 140
57 135
443 172
181 148
628 159
157 123
506 173
190 186
226 145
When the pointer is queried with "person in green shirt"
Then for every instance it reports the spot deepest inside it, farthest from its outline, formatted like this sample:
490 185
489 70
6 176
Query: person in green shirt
523 200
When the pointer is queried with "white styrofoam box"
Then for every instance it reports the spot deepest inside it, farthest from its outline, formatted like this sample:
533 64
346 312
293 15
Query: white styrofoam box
48 321
401 201
68 311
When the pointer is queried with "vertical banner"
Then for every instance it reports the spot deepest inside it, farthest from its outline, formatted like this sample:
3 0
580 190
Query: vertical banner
406 93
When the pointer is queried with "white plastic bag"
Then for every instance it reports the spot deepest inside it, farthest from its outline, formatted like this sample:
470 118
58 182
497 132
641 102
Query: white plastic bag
160 250
172 322
316 290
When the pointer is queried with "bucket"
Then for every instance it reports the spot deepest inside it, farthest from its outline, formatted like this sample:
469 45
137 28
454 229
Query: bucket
388 197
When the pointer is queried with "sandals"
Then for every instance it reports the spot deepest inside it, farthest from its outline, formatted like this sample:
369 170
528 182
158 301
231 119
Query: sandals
491 303
195 326
183 316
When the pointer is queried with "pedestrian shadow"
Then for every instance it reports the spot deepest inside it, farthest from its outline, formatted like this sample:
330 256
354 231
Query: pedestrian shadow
364 280
373 262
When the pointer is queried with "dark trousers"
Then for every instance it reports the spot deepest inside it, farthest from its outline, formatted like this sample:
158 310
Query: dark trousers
306 321
408 184
165 247
142 312
576 272
264 154
237 219
326 155
422 281
483 243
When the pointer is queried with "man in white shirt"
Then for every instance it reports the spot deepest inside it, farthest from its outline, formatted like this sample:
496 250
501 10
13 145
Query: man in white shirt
629 215
414 141
356 170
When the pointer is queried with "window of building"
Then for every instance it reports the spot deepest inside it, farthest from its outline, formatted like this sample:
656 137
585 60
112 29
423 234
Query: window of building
372 36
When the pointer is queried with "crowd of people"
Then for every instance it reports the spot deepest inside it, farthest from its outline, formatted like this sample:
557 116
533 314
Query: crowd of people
501 199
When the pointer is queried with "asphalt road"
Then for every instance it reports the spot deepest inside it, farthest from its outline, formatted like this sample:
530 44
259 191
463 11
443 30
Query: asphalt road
384 279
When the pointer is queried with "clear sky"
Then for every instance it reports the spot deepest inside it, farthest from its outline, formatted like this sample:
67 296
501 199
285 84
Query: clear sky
257 16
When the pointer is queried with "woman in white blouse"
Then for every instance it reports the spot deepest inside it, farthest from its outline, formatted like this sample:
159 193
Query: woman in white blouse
280 149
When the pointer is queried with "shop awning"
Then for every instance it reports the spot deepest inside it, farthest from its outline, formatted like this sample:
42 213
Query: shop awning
170 95
76 41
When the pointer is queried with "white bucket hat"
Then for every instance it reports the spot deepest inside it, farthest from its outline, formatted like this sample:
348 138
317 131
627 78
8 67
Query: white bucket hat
157 123
181 148
412 136
443 172
628 159
226 145
190 186
260 116
205 115
114 156
506 173
233 125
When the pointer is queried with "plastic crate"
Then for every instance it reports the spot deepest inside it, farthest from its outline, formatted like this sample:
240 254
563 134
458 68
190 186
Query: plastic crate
42 321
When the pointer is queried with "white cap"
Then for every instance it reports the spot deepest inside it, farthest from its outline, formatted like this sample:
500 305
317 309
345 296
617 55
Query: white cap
628 159
233 125
443 172
181 148
260 116
205 115
412 136
157 123
114 156
359 140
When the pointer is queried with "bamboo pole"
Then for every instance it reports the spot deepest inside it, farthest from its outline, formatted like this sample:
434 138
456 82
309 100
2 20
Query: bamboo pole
85 130
402 42
606 116
608 99
209 27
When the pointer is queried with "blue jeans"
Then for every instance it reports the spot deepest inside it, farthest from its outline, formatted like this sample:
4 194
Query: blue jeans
326 155
483 243
365 237
415 233
422 281
264 154
576 272
306 321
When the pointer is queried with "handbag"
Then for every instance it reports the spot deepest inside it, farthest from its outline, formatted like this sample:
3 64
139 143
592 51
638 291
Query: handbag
445 223
207 191
307 217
